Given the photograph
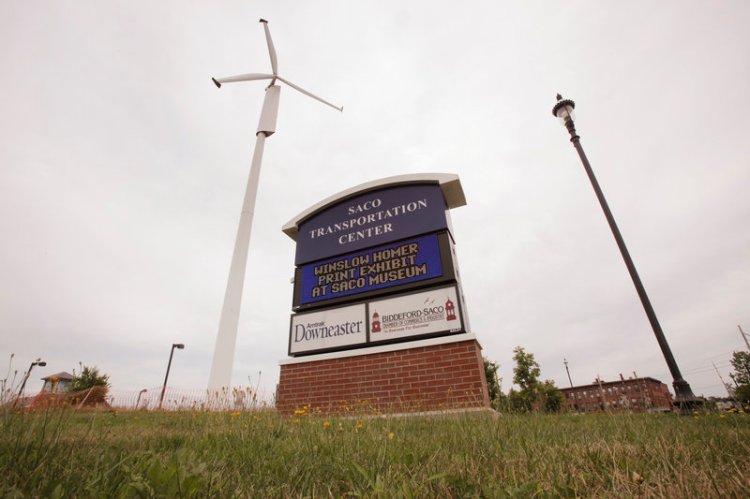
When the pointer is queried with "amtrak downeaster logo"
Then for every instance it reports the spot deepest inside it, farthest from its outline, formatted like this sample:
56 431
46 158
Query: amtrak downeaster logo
326 329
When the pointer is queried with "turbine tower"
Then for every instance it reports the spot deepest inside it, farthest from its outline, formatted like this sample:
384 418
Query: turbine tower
226 338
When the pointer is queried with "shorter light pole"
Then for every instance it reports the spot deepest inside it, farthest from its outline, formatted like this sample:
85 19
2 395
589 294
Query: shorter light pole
684 397
5 381
169 365
138 402
37 362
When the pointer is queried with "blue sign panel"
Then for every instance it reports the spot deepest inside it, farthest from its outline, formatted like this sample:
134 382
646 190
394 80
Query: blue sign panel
371 219
382 267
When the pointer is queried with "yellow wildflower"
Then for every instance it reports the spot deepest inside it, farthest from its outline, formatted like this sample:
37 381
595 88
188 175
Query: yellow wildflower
295 421
299 412
326 424
391 436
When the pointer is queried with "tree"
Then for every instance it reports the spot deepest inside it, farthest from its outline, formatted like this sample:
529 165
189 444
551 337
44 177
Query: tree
533 394
89 378
494 389
517 402
741 363
742 394
551 397
526 375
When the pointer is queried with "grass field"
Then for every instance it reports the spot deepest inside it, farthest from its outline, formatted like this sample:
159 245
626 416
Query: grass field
61 453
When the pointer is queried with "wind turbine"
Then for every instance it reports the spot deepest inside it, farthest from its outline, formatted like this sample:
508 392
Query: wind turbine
226 338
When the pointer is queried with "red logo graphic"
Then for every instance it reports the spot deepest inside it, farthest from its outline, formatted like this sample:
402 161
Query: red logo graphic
450 310
375 323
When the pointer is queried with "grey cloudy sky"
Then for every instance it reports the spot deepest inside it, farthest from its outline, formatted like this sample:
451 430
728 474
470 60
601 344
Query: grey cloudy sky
122 170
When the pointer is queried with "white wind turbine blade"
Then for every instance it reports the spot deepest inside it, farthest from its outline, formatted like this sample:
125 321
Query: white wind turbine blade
271 50
245 77
302 90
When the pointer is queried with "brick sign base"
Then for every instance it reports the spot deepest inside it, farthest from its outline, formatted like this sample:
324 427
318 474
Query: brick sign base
434 377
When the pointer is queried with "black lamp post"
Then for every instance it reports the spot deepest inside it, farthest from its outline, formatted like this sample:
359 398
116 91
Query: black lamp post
169 365
37 362
684 397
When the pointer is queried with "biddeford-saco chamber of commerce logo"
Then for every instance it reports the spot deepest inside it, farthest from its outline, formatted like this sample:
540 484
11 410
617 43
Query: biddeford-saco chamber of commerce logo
375 323
450 310
408 316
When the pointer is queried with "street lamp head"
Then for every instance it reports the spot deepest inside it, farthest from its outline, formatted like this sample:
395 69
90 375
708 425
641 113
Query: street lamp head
564 109
179 345
40 363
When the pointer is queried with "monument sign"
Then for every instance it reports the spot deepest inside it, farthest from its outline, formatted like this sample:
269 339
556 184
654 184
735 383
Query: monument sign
376 273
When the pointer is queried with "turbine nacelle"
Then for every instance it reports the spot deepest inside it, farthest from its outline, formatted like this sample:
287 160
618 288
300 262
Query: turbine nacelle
274 76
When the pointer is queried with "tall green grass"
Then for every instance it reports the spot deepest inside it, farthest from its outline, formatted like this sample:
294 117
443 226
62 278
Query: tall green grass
61 453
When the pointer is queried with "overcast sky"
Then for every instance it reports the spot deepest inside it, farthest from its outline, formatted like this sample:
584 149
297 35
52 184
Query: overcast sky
122 171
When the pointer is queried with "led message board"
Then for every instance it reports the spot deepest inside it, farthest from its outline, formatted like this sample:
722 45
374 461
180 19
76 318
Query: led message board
370 272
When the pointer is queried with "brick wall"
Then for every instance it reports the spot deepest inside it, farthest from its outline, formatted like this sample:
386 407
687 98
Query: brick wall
436 377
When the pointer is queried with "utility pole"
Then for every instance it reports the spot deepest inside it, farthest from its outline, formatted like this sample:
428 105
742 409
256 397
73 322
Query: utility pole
575 396
644 404
601 392
744 337
737 405
623 392
726 386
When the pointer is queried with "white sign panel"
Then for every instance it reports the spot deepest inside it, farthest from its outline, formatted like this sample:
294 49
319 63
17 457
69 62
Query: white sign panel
328 329
429 312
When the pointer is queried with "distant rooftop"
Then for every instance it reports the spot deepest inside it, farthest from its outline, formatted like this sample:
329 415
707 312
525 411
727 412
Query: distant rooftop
62 376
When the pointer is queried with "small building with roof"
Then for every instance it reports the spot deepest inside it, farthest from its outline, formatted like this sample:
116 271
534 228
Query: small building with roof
58 383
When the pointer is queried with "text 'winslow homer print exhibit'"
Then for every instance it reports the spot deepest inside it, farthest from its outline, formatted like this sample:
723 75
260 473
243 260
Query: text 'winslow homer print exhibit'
377 268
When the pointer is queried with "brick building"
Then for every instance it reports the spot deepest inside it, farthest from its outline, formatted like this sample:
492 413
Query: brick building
631 394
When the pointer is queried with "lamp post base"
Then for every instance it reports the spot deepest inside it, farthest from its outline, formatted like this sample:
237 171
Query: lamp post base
684 399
